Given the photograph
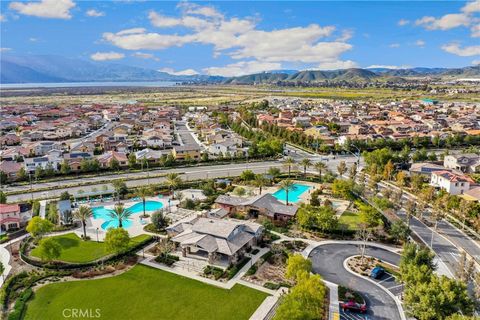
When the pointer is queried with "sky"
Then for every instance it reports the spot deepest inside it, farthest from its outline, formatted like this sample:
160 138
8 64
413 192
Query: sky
231 38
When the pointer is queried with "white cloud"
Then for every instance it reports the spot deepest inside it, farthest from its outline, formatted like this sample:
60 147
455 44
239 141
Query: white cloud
471 7
186 72
333 65
420 43
57 9
381 66
475 31
454 48
94 13
143 55
104 56
476 62
5 49
403 22
448 21
242 68
3 18
394 45
238 38
32 39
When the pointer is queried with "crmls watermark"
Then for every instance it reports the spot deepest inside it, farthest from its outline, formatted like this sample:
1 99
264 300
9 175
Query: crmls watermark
81 313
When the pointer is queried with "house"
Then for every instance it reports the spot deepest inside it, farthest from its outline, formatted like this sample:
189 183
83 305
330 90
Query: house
11 169
9 139
106 159
215 239
261 205
9 217
152 156
468 163
186 152
44 162
425 168
451 182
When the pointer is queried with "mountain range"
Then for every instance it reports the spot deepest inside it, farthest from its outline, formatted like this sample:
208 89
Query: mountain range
50 68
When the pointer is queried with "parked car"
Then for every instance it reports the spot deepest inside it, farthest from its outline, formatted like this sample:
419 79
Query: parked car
353 306
377 273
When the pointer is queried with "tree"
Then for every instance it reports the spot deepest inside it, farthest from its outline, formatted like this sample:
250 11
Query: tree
388 170
2 270
49 249
49 170
239 191
342 168
353 171
260 182
65 167
52 214
342 189
65 196
22 174
143 193
399 230
289 163
368 215
274 172
321 218
305 163
287 185
247 175
132 160
120 188
159 220
83 213
306 300
3 197
410 210
173 181
117 240
114 164
320 167
401 178
119 213
297 264
39 172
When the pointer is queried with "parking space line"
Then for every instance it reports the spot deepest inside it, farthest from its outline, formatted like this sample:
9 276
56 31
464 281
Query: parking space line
390 277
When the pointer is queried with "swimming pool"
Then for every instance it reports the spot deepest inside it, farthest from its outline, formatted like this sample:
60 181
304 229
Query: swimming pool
103 213
294 193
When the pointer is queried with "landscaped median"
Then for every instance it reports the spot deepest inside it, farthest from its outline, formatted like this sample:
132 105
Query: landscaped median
145 293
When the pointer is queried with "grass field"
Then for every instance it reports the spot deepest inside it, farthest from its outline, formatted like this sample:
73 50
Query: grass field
74 249
350 220
146 293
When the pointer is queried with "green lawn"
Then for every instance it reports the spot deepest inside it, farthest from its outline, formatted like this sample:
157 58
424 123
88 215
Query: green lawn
146 293
350 220
74 249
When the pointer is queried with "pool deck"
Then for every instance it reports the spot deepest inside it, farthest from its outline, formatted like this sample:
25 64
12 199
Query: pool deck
94 226
304 197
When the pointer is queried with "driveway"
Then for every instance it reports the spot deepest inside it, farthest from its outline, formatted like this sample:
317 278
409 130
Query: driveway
328 262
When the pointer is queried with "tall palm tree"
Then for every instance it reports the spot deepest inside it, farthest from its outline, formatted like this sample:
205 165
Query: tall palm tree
289 163
173 181
260 182
120 213
287 185
320 166
82 214
142 193
305 163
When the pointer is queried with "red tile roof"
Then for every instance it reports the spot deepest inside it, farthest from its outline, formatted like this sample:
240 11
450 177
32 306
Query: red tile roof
9 208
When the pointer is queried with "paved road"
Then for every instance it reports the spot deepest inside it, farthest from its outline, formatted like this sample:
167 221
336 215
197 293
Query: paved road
328 262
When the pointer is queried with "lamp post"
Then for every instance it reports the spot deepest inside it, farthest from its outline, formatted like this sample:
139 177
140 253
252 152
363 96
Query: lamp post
97 234
31 188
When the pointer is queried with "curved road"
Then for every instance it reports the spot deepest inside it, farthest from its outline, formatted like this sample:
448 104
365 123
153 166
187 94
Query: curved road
328 261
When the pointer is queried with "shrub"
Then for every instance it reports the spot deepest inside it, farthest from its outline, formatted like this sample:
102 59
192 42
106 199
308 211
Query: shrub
271 285
252 270
20 304
167 259
255 251
232 271
216 272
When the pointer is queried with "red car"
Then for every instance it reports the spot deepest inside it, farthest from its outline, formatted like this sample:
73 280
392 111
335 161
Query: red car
353 306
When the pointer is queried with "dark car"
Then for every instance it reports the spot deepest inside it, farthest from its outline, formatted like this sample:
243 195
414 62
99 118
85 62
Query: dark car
353 306
377 273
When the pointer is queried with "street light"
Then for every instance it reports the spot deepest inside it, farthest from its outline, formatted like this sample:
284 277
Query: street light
97 234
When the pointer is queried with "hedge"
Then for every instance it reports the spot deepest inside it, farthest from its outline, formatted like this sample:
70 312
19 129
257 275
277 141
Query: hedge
20 305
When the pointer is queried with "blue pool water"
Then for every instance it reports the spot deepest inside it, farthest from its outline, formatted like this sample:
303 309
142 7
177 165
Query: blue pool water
102 213
294 193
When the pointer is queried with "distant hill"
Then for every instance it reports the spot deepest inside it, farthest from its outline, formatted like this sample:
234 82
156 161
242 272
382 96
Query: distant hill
51 68
354 75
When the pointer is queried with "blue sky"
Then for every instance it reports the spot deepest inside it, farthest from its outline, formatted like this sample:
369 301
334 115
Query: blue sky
232 38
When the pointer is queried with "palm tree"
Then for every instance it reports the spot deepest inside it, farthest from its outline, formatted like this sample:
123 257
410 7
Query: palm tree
142 193
260 182
305 163
173 181
289 162
287 185
320 166
82 214
120 213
